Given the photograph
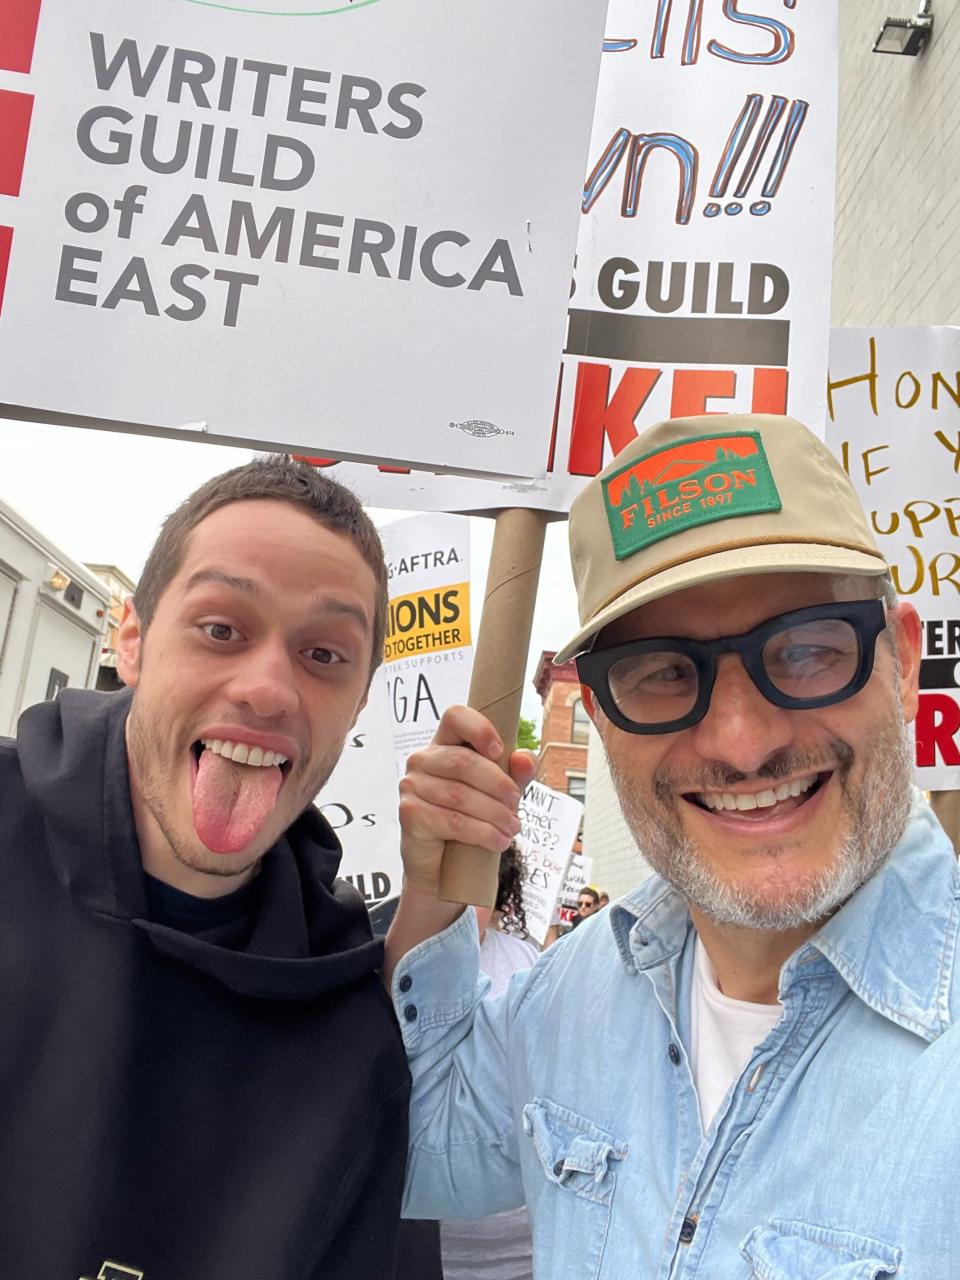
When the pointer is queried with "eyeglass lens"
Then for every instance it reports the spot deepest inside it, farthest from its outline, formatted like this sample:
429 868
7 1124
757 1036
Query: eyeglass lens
810 660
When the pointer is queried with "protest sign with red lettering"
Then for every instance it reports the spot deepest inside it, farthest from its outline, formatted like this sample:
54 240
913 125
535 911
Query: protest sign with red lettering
702 281
578 876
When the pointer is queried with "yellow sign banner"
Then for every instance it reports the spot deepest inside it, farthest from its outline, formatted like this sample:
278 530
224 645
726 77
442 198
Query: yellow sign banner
428 621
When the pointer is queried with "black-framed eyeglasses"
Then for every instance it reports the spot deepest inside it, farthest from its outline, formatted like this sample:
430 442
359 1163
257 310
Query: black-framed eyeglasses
800 660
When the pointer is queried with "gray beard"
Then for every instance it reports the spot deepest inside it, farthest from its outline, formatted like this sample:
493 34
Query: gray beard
878 815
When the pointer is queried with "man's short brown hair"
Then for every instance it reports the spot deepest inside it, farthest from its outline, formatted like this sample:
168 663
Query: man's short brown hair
276 478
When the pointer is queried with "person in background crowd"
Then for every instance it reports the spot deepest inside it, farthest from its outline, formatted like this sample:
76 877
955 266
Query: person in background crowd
770 1062
604 899
588 901
498 1247
200 1075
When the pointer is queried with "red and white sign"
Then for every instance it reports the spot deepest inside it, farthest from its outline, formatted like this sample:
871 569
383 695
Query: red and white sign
894 397
578 876
702 280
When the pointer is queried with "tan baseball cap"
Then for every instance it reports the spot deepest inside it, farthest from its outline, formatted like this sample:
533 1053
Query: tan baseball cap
696 500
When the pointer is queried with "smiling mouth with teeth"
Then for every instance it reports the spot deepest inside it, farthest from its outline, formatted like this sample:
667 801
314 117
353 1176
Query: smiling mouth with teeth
234 791
240 753
783 796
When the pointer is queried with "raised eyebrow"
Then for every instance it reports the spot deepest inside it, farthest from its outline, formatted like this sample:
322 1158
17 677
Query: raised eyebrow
346 608
217 577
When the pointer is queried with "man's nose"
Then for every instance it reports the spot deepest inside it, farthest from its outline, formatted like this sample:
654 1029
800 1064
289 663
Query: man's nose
265 681
742 728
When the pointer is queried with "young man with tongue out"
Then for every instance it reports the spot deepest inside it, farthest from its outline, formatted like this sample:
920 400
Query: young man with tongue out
773 992
200 1075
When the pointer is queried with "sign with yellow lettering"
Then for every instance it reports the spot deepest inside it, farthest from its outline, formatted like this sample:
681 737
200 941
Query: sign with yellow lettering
428 656
428 621
894 420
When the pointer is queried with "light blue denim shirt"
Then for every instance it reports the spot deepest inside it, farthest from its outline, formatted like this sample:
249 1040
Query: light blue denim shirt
573 1091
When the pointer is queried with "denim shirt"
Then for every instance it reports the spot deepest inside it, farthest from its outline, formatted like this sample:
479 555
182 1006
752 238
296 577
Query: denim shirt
833 1156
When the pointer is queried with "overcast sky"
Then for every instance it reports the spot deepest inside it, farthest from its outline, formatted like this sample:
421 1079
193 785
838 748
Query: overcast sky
101 496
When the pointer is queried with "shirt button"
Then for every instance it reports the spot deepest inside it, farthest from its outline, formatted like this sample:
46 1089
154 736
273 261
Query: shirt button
687 1230
558 1169
410 1013
673 1053
405 983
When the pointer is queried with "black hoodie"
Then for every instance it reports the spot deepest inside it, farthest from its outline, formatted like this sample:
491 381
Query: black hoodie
166 1105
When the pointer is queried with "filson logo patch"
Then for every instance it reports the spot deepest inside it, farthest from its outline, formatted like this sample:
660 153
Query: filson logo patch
689 484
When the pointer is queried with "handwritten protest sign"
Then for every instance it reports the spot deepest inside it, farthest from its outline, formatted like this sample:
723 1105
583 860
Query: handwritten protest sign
293 223
702 280
894 398
427 668
550 821
578 877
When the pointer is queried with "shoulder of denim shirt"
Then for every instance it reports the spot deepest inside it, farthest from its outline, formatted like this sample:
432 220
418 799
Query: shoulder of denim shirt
894 942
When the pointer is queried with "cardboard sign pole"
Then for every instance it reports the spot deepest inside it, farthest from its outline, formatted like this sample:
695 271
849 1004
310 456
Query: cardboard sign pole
469 875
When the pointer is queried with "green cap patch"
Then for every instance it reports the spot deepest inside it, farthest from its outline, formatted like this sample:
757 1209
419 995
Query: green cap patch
689 484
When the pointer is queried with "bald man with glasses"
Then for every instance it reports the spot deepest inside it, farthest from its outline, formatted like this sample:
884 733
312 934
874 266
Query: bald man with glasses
772 993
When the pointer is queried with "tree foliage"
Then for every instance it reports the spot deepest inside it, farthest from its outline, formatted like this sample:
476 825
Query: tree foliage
527 735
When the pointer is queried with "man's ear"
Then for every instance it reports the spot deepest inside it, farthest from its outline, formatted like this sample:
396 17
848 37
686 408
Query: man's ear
908 634
593 710
129 644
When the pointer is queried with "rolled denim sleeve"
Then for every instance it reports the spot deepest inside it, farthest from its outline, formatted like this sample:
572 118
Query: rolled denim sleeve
463 1160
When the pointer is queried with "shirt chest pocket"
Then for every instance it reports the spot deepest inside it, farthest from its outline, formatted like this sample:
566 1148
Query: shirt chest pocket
575 1164
802 1251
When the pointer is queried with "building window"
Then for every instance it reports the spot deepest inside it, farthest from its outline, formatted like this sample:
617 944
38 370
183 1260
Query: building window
581 723
577 786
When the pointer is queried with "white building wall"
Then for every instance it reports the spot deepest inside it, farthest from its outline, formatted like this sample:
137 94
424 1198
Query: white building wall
897 248
43 635
618 866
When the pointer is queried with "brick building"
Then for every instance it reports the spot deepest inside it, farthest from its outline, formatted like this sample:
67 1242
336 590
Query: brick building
565 731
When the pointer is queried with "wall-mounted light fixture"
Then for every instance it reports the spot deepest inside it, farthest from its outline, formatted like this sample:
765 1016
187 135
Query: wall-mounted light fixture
58 580
906 36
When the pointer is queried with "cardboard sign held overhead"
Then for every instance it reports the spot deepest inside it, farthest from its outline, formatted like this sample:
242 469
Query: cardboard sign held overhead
702 279
296 225
894 397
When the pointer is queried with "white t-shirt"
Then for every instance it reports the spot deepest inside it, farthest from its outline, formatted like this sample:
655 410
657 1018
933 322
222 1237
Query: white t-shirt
502 955
723 1035
498 1247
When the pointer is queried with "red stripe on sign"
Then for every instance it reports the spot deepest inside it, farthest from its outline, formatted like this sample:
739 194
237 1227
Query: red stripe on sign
18 33
15 111
6 240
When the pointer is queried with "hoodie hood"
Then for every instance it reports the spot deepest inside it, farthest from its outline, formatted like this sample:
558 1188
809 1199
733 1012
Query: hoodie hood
312 935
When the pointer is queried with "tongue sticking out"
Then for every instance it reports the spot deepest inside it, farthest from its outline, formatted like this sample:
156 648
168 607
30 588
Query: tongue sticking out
231 802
